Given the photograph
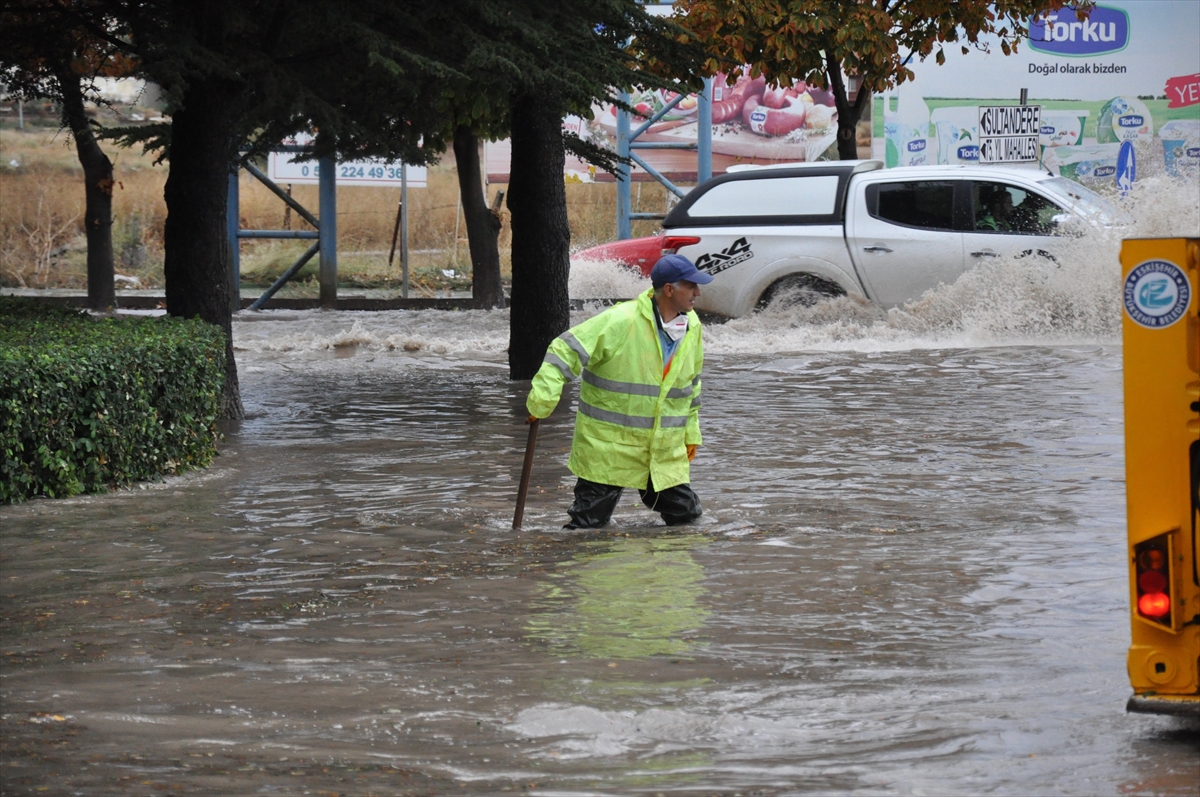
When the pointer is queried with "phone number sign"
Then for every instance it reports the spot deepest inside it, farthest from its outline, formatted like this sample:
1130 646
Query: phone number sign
283 167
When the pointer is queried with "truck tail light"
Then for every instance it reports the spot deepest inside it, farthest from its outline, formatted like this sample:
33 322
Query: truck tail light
1152 562
673 243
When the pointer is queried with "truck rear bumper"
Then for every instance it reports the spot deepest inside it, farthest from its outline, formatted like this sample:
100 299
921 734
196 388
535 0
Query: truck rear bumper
1181 706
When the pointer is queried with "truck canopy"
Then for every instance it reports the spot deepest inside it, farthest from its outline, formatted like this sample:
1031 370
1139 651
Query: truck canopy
787 194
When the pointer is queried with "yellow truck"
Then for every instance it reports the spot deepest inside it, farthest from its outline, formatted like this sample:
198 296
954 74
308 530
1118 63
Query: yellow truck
1161 330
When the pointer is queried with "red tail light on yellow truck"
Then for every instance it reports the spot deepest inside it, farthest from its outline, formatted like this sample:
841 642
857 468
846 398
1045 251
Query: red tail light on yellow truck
1152 564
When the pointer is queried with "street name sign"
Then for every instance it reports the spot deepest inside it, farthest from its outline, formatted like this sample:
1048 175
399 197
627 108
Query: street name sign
1009 133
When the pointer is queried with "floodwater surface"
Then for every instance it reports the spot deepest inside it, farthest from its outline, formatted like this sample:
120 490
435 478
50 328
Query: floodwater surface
909 578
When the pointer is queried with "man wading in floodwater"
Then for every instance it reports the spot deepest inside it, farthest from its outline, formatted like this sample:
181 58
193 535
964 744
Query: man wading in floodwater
639 405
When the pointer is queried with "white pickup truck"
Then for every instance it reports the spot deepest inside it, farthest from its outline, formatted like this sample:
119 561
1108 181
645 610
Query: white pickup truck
851 227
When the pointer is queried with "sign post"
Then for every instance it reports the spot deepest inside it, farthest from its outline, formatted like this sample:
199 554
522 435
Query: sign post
1009 133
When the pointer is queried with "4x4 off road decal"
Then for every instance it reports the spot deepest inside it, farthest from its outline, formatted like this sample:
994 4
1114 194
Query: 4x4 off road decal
738 252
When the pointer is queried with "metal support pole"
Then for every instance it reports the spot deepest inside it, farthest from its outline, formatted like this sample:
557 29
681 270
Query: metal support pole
286 196
327 230
232 214
659 114
624 174
285 276
457 219
657 175
404 230
277 234
395 236
635 144
1024 96
704 134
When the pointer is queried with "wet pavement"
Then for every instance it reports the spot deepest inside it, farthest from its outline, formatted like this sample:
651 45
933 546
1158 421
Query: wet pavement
909 579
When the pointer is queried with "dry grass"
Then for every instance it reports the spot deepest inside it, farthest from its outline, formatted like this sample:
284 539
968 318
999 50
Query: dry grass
42 242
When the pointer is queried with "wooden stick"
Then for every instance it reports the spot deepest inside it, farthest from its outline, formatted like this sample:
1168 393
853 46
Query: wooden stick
526 469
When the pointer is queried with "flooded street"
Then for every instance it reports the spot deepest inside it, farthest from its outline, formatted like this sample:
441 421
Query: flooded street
909 579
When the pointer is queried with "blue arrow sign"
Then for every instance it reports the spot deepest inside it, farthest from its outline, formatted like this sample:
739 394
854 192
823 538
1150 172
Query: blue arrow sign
1126 168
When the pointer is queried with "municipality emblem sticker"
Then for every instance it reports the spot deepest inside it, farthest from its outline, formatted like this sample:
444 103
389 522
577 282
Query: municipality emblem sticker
1157 294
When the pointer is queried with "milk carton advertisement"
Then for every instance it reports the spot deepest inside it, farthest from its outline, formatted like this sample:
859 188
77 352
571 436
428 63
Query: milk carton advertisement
1094 165
1181 147
1063 128
908 139
957 132
1128 70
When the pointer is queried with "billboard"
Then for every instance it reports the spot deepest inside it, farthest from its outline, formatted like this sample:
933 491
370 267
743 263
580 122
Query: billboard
752 123
1128 72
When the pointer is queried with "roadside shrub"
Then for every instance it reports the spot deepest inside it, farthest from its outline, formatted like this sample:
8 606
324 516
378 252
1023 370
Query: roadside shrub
89 404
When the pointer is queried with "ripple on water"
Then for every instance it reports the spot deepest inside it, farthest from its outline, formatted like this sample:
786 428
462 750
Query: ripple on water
910 576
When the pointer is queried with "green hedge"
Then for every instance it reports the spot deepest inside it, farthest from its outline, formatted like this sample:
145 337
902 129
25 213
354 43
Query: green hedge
89 404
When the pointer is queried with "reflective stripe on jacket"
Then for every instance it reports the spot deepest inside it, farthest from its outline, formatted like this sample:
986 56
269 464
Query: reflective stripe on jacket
633 424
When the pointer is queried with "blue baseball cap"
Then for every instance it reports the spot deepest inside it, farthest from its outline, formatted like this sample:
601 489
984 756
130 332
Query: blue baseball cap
672 268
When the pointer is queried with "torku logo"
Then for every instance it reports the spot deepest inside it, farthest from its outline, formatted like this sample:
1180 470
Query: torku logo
1064 32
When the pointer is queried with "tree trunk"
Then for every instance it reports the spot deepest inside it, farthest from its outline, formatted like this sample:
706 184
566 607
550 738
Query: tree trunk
98 188
848 114
483 226
197 262
541 238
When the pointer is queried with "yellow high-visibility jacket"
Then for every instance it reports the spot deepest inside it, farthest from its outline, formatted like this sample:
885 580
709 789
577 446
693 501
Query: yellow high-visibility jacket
633 423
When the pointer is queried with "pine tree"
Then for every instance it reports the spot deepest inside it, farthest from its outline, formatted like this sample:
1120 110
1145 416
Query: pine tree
529 64
240 75
45 53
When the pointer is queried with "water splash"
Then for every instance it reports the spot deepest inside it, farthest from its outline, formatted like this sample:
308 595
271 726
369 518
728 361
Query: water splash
403 333
1009 301
604 279
1024 301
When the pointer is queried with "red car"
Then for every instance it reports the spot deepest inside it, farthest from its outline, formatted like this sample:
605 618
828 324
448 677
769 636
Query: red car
639 253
